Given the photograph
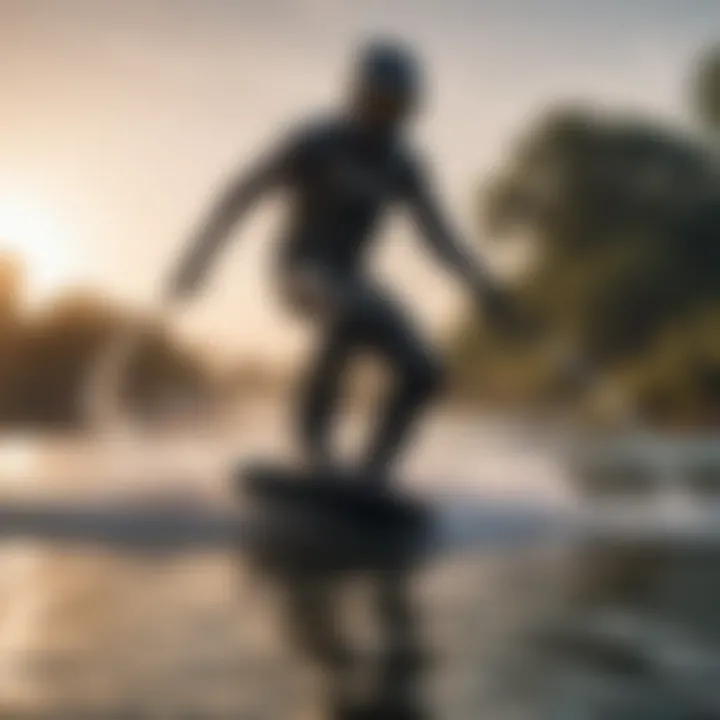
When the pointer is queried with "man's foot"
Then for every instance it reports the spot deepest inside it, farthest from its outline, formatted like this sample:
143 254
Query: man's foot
373 476
318 462
406 658
381 710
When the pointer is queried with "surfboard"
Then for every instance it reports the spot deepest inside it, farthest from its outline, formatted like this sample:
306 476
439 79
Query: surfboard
328 520
330 492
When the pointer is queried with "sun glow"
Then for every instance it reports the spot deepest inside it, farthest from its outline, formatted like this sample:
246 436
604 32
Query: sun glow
31 232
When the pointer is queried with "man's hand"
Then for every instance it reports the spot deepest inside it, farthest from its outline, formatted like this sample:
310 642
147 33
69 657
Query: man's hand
503 314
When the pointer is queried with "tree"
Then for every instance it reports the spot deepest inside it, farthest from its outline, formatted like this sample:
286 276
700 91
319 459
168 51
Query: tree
54 351
622 217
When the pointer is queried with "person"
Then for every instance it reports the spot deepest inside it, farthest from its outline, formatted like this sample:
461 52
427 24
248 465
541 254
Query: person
340 174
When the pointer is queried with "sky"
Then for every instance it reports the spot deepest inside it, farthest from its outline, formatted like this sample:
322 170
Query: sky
120 119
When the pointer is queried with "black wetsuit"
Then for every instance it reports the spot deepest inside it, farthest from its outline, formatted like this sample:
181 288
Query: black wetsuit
339 180
342 181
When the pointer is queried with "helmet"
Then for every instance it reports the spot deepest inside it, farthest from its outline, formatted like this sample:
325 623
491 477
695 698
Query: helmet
387 78
389 67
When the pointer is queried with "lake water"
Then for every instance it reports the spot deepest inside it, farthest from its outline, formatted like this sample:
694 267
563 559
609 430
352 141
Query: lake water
89 633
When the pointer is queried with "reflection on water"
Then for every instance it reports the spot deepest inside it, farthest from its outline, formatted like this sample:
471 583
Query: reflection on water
112 635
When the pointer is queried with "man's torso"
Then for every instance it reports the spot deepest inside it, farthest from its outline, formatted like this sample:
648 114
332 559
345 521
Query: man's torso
340 184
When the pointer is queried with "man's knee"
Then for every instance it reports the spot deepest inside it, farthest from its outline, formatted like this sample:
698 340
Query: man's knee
424 377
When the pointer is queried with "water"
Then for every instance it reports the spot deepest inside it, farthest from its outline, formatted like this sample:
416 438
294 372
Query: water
89 633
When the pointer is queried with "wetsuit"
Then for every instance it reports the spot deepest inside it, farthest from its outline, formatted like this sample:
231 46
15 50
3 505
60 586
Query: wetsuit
339 180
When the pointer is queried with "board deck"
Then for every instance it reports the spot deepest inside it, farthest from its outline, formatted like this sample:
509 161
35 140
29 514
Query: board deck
330 494
327 520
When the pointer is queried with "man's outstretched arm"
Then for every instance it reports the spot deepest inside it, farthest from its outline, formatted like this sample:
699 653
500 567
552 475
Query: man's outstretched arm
494 302
240 195
442 240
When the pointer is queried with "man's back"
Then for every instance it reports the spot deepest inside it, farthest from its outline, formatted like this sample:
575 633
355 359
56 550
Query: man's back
341 178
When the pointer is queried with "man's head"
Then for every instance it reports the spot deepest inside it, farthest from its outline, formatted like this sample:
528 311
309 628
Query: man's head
386 84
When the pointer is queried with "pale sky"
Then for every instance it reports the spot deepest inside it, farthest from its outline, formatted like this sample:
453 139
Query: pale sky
120 119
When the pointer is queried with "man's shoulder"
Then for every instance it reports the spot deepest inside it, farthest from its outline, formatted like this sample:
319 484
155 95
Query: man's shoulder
317 131
410 162
408 154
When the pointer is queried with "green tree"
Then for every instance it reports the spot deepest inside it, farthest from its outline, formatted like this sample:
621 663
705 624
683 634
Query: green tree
54 351
622 219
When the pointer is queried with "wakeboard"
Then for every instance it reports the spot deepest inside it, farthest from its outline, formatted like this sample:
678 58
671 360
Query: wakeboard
329 519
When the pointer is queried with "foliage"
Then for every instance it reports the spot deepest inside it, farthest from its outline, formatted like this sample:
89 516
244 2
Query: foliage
622 219
46 357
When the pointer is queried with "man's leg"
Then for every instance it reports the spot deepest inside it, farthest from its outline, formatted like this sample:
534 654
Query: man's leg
319 394
363 318
417 379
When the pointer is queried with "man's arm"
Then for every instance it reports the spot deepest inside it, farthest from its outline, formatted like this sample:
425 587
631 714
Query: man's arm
440 236
240 195
495 304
